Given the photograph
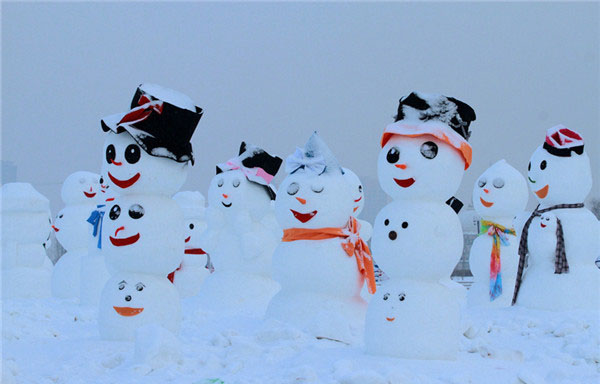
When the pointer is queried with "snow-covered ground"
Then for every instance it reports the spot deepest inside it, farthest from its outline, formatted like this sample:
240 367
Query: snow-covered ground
53 341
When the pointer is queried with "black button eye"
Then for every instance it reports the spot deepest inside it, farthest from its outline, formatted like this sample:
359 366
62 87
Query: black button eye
132 153
115 212
529 166
111 153
136 211
236 183
220 183
402 297
386 296
392 235
393 155
191 226
543 165
386 222
429 150
482 182
360 188
293 189
121 286
139 287
405 225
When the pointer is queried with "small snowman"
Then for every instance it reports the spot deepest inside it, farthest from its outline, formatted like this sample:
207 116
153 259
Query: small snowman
147 154
196 266
499 194
560 176
242 234
26 270
79 193
358 196
321 262
417 238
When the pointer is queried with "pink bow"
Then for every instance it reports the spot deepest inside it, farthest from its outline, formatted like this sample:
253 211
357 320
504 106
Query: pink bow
255 174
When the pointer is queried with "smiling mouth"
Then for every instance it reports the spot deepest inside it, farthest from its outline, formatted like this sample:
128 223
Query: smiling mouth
226 205
543 225
124 183
542 193
303 217
486 204
359 199
128 311
531 181
125 241
405 183
390 318
89 195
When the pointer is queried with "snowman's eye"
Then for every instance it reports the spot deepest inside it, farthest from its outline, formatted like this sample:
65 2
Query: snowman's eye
498 182
60 216
101 180
482 182
360 188
393 155
529 166
317 189
81 181
122 285
429 150
547 219
236 183
293 188
111 153
386 296
401 297
136 211
114 213
50 220
132 154
405 225
386 222
140 287
220 183
191 226
543 165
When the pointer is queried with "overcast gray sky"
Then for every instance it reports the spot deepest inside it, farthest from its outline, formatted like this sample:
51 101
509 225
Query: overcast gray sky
270 74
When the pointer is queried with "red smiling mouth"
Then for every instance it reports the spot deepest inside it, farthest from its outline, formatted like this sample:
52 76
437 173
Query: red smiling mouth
405 183
357 200
390 318
128 311
89 195
303 217
125 241
486 204
543 225
124 183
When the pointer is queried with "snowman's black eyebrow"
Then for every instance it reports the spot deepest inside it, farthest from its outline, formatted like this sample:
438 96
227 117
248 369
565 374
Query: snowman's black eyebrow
123 282
140 283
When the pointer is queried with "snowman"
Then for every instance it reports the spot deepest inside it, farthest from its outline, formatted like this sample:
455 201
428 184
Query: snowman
141 232
417 238
560 176
241 235
196 266
499 195
321 262
94 273
79 193
356 186
26 270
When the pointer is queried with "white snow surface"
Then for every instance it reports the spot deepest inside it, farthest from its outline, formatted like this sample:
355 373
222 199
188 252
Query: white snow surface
507 345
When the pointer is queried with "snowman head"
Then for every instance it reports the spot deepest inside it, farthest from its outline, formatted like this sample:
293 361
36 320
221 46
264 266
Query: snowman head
71 227
392 301
243 183
192 203
147 149
548 222
501 191
356 189
81 188
559 171
425 152
316 193
143 233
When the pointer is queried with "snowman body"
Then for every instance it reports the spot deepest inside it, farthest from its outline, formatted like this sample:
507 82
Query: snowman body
240 239
499 195
558 180
26 270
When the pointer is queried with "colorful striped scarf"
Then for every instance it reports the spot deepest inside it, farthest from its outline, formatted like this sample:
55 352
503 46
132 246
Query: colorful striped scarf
499 235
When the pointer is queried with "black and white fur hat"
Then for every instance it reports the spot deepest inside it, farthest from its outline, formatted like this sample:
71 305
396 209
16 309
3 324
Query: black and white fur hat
161 121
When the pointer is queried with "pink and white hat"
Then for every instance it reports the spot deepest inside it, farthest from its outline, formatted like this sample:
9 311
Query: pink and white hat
561 141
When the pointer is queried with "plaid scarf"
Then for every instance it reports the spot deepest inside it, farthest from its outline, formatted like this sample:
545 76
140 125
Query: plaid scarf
560 260
498 233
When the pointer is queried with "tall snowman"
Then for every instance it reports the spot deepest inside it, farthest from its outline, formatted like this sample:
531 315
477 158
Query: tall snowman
417 238
147 151
499 195
242 234
80 192
196 265
26 270
561 238
321 263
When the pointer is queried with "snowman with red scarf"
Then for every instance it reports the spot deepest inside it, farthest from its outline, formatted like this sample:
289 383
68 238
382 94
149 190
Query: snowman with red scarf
147 152
417 238
321 262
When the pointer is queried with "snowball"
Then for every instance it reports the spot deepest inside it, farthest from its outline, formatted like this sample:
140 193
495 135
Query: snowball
81 188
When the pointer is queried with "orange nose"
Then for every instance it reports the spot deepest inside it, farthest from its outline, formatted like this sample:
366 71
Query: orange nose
225 196
486 190
401 166
301 200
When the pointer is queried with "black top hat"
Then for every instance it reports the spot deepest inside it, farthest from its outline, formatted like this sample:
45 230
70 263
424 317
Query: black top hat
161 128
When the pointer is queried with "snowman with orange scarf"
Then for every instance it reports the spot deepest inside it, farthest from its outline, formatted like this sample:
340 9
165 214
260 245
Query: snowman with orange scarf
321 262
